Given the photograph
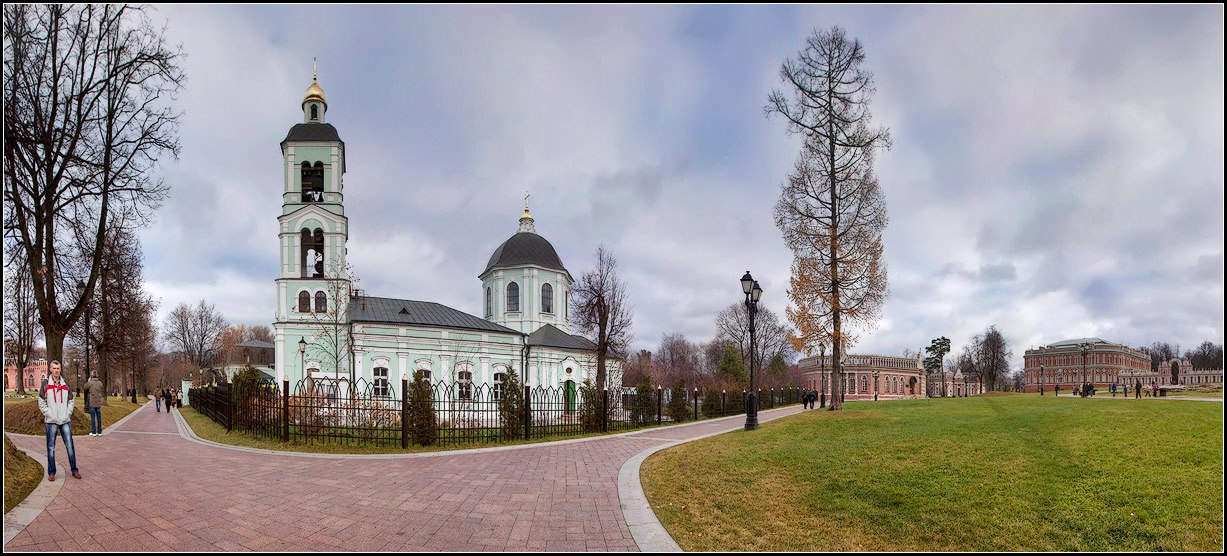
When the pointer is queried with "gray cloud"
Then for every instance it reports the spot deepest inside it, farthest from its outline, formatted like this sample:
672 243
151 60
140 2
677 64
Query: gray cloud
1057 170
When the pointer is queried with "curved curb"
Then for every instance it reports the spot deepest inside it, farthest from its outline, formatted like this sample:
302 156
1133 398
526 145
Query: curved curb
645 528
23 514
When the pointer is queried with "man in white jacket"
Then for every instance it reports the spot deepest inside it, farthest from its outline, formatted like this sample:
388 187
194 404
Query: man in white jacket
56 402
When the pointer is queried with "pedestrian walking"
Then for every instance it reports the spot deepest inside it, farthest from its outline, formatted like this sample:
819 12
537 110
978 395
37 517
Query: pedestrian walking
166 396
1057 391
56 402
95 395
157 402
1137 390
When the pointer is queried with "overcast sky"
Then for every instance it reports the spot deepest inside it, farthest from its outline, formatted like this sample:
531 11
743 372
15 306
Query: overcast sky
1056 171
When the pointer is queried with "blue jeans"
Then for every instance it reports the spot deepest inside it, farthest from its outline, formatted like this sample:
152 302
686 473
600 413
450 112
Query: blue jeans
64 430
95 420
157 402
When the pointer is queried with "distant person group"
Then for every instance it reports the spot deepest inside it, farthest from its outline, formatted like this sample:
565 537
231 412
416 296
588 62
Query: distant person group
1089 390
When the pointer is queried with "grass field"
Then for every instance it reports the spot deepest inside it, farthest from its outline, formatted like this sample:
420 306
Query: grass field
992 473
21 475
22 416
207 429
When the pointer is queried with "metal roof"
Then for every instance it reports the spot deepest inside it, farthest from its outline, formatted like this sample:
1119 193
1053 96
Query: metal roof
525 248
1079 341
312 132
551 336
421 313
256 344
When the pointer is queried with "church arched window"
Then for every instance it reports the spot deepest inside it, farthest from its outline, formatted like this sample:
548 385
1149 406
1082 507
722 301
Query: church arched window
312 182
547 298
315 113
304 302
465 385
489 307
513 297
499 380
321 302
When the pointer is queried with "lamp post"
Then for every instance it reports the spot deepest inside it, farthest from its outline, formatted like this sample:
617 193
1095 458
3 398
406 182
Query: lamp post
88 313
1085 348
749 286
843 391
1041 379
302 355
822 371
966 393
875 385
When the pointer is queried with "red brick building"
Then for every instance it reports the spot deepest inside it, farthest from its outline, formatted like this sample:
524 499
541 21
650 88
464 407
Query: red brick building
1107 363
893 378
35 372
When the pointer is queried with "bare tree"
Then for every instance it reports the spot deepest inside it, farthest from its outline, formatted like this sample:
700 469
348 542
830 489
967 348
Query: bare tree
771 336
87 114
21 329
1206 356
993 353
601 308
831 211
194 332
334 343
676 359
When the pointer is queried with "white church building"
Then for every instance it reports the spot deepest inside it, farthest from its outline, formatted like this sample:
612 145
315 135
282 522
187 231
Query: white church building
325 329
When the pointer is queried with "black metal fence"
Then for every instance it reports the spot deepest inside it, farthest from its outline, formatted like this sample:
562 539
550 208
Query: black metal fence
337 412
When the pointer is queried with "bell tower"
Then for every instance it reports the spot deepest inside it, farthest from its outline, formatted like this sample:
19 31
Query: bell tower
313 286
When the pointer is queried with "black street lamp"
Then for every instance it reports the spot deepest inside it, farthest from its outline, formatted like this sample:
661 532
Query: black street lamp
1041 379
822 372
966 393
875 385
88 313
302 355
1085 348
749 286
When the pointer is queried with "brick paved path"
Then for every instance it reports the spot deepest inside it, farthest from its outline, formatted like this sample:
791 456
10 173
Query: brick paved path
147 488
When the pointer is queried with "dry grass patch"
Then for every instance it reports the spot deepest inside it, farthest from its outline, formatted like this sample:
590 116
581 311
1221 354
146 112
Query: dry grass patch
21 475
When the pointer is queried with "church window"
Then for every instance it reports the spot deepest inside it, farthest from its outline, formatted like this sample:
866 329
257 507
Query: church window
304 302
489 307
381 381
513 297
321 302
315 112
312 182
312 248
466 385
499 379
864 384
547 298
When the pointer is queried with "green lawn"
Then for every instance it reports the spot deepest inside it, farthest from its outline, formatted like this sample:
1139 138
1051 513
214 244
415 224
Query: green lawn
1218 394
993 473
20 419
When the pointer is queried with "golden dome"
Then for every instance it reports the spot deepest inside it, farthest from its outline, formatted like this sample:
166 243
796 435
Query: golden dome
314 92
526 214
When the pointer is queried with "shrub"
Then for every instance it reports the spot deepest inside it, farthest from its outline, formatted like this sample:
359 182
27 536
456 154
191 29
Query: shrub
594 412
678 410
643 407
25 418
423 426
711 403
511 407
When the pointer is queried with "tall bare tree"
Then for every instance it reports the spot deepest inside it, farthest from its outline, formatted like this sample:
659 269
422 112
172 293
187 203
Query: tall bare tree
88 93
993 359
194 331
831 210
21 329
601 308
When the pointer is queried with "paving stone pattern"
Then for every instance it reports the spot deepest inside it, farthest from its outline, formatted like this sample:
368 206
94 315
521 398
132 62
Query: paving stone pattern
156 492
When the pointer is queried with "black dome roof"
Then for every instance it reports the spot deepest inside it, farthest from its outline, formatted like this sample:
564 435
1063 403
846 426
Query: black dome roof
312 132
525 248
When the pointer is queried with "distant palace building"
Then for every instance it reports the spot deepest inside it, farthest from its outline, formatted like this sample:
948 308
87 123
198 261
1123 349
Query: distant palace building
1107 363
36 370
896 378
